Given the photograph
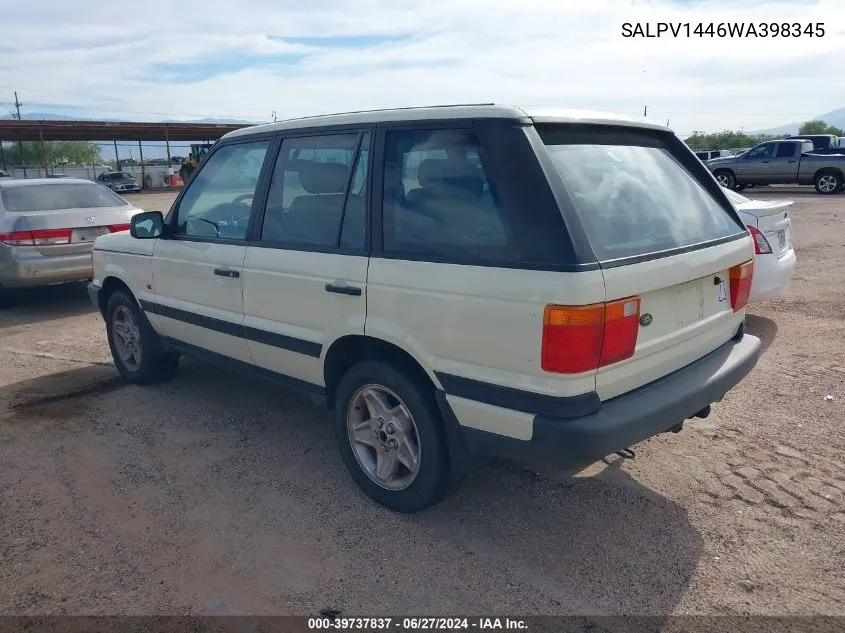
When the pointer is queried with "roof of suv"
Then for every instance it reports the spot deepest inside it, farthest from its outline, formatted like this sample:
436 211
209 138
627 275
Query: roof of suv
433 113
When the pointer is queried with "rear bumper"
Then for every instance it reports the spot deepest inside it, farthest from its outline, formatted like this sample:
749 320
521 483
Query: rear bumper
771 275
22 268
625 420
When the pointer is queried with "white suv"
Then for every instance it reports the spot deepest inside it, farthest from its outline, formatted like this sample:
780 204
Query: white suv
452 281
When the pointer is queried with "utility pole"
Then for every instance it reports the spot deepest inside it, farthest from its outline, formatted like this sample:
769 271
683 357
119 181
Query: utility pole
18 105
645 111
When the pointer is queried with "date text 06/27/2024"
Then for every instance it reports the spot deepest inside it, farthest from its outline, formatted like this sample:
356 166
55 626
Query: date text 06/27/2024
723 29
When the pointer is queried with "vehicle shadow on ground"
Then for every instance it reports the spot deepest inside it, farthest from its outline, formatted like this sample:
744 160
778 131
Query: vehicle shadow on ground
601 544
231 468
34 305
763 328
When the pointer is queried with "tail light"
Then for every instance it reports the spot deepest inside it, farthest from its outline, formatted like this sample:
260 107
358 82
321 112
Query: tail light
117 228
17 238
42 237
582 338
761 244
741 277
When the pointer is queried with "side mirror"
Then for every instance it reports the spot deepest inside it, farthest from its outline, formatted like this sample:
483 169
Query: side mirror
148 225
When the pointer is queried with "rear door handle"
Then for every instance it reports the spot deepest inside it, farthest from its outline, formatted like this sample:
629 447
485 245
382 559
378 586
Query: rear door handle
764 161
226 272
791 161
344 290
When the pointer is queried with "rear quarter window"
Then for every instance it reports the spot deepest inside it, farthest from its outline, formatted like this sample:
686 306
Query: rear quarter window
632 195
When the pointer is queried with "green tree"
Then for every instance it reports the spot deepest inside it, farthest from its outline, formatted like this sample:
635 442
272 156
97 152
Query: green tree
725 139
818 126
55 153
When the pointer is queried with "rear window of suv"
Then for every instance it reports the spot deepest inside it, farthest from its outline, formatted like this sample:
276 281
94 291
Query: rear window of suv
631 194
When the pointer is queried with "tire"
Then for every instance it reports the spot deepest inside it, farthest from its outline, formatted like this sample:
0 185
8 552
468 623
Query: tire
828 182
404 491
725 178
154 364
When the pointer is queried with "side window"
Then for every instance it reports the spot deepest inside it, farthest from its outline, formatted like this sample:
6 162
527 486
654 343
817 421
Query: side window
438 200
763 151
308 189
219 199
786 150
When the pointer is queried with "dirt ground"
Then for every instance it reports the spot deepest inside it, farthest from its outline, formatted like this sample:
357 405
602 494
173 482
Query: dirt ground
217 494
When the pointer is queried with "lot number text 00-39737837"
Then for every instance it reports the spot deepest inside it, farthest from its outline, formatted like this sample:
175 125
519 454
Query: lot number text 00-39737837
723 29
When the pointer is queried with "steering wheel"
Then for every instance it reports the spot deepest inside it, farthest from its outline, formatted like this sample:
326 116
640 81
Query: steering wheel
229 219
242 197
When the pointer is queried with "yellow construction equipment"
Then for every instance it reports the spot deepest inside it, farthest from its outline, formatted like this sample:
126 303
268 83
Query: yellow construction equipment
198 150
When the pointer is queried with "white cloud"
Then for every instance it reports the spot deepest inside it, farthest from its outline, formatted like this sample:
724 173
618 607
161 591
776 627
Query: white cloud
563 52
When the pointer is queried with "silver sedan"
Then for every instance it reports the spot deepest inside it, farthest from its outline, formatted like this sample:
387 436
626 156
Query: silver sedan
48 227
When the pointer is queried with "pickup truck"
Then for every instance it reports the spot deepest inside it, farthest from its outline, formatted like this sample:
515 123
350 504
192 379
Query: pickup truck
781 162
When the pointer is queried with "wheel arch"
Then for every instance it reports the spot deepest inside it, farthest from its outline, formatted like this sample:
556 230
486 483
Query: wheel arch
828 170
727 170
348 350
112 284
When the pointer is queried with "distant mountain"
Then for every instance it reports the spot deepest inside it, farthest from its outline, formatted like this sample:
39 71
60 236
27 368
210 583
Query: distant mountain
49 116
45 116
835 118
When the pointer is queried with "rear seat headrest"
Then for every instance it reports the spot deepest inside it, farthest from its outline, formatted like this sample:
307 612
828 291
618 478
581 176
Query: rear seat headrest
439 173
323 177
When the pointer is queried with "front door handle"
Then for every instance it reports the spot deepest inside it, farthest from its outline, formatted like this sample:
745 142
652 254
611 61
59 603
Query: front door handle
344 290
790 161
764 161
226 272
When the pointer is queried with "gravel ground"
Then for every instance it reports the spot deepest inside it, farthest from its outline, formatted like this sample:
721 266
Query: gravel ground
217 494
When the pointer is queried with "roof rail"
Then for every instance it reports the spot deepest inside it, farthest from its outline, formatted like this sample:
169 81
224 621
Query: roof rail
443 105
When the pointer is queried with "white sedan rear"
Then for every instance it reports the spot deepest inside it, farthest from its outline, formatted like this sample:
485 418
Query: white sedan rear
774 260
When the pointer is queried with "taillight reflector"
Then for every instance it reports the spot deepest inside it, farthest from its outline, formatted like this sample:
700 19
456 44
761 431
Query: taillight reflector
582 338
43 237
741 277
117 228
17 238
48 237
761 244
622 324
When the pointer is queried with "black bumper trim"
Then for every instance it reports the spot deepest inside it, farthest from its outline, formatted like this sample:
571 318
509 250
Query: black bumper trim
94 294
563 407
628 419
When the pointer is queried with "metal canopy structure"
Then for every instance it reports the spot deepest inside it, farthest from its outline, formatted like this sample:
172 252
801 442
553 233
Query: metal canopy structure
33 130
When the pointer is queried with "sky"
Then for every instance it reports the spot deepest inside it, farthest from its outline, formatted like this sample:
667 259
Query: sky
246 59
